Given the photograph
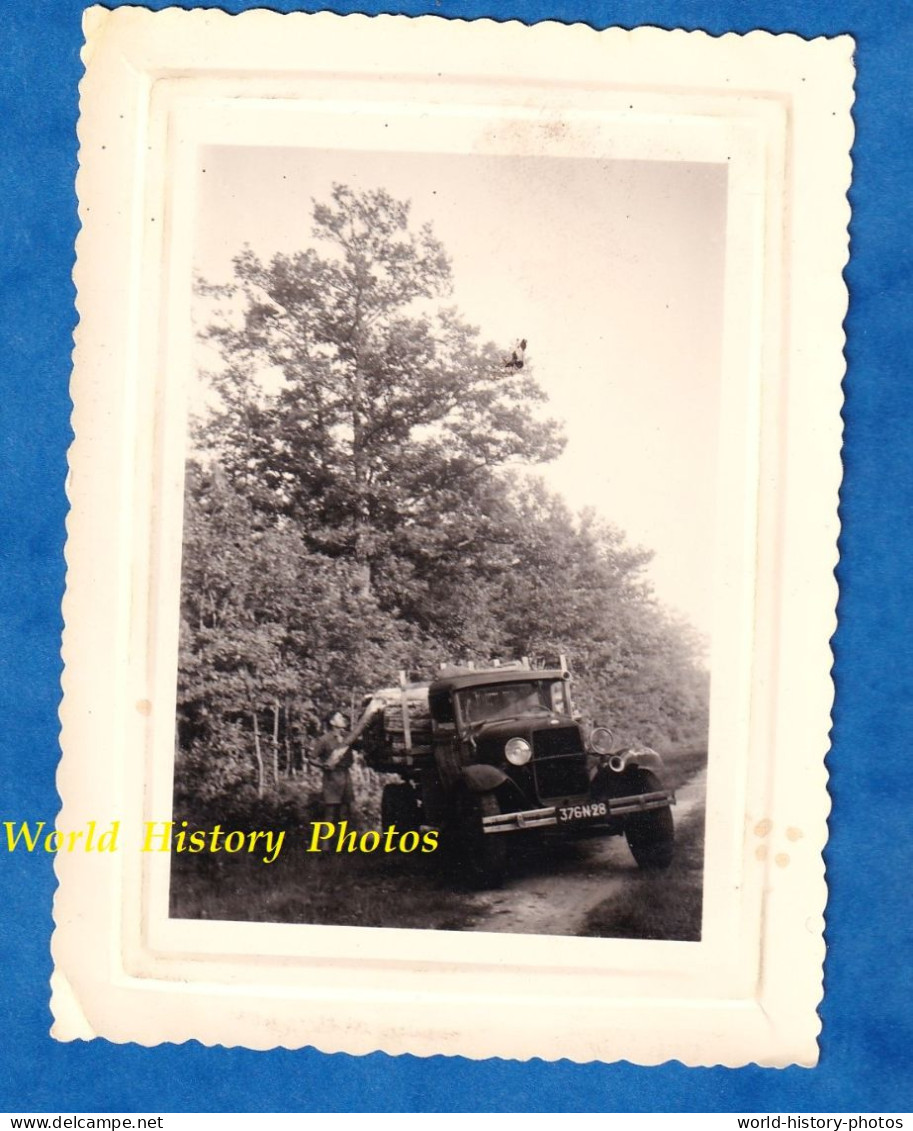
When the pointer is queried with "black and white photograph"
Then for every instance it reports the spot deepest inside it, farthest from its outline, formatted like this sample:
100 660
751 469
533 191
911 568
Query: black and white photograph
448 529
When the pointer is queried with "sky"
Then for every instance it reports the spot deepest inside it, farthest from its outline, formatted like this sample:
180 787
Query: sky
611 269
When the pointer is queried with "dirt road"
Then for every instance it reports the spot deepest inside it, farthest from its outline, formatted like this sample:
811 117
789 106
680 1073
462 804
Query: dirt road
551 893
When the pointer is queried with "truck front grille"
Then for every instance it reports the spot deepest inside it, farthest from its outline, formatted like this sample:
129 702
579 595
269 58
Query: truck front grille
559 764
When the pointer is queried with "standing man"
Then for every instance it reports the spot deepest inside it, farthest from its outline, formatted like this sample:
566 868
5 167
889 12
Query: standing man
333 753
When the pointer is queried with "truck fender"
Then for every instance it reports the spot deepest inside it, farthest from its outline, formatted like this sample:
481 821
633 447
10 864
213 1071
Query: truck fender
482 778
633 757
645 758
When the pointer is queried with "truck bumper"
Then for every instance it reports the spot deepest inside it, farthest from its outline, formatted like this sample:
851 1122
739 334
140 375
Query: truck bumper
565 816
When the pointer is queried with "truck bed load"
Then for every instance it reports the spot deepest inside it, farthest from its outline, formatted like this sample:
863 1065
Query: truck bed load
397 733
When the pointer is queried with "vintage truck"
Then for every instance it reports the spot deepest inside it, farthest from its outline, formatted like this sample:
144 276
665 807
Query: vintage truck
487 755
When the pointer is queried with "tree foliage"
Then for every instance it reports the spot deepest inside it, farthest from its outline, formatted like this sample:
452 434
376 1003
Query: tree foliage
389 411
354 512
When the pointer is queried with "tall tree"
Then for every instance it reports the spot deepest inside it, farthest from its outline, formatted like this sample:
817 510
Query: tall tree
386 411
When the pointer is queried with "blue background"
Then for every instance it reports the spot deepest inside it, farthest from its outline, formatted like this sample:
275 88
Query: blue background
865 1061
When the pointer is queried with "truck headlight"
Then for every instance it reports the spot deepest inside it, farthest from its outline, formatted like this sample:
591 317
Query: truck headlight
602 740
518 751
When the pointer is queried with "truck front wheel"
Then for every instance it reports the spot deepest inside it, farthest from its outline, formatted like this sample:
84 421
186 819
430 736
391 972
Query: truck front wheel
482 855
650 835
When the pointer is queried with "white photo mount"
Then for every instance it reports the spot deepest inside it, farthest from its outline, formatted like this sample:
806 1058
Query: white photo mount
776 110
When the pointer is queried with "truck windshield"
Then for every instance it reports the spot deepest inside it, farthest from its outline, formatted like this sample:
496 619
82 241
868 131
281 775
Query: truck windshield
512 700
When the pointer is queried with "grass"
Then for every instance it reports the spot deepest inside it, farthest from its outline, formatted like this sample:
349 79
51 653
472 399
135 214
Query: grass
345 889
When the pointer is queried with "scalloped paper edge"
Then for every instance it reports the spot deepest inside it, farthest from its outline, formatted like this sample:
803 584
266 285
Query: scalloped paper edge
115 976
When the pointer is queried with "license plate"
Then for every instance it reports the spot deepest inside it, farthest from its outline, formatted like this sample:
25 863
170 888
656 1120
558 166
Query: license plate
593 810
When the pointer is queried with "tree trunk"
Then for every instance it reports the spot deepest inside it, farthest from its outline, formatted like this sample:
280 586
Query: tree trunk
286 742
258 753
276 742
363 576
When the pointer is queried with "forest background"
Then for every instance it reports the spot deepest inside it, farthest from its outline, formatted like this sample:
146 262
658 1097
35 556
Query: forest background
359 502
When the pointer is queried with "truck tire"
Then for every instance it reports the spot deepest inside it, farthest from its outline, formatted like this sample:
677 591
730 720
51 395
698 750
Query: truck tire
650 835
399 807
483 856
